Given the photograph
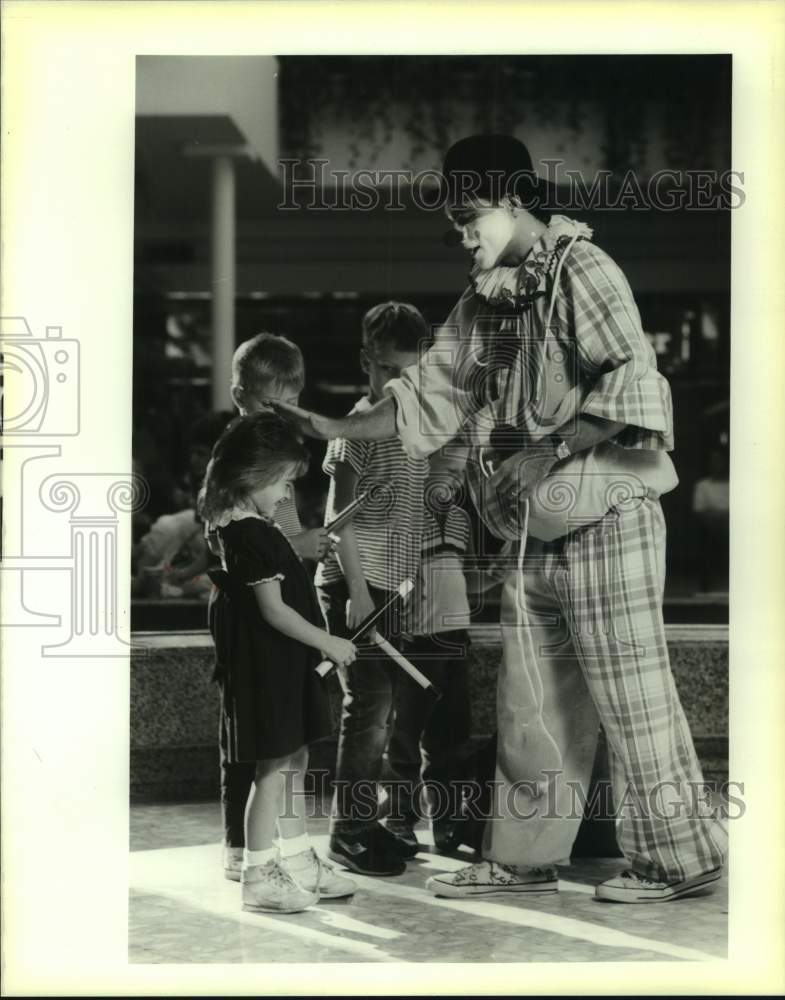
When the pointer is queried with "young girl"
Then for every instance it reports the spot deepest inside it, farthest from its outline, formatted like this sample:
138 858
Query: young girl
266 625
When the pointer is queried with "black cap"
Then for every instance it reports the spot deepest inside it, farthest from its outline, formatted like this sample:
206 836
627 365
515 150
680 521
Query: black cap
491 166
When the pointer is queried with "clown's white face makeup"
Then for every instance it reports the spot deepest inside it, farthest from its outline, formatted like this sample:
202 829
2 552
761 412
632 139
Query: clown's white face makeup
487 231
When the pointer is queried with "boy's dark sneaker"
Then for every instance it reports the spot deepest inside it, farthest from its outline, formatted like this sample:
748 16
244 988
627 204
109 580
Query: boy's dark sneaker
362 852
448 835
408 845
402 845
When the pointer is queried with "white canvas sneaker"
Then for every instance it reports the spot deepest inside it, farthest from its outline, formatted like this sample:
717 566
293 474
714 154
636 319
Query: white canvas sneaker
314 874
491 878
271 889
629 887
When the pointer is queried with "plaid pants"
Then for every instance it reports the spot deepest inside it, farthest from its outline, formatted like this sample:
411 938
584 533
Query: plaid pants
584 643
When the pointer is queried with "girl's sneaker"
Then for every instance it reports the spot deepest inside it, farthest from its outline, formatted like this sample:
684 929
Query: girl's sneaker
316 875
233 863
271 889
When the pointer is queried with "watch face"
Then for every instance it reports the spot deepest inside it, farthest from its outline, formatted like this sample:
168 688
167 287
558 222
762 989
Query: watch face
562 451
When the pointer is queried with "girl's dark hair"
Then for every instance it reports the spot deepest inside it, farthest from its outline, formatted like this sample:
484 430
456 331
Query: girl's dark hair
252 452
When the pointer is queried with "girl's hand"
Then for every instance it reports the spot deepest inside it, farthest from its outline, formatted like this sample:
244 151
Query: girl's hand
340 651
358 607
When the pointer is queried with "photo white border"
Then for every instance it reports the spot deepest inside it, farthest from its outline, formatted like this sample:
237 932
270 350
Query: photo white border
67 260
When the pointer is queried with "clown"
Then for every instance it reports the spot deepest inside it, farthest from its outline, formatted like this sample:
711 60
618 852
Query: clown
544 369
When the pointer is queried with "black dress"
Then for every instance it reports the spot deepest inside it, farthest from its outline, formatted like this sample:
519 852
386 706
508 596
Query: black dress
273 702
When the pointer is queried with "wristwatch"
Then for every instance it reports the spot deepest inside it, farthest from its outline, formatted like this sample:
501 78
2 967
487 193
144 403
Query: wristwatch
560 449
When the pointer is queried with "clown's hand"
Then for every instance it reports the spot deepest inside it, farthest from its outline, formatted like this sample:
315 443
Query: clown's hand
518 476
311 424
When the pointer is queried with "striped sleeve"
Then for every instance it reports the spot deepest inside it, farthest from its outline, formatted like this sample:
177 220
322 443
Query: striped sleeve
388 527
435 397
354 453
446 532
287 518
617 360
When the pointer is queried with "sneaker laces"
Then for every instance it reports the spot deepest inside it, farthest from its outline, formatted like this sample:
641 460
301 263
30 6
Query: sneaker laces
279 876
538 870
321 866
326 865
628 873
498 872
312 860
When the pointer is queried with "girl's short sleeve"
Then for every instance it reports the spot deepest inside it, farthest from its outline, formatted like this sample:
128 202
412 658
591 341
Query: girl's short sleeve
255 552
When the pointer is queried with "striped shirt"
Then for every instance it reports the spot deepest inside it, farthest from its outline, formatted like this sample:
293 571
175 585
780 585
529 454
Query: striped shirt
446 533
441 603
287 518
389 525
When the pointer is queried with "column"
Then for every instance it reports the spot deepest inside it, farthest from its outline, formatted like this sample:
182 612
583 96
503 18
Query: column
223 278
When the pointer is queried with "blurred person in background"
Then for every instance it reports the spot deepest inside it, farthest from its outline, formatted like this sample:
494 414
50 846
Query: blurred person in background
172 558
711 507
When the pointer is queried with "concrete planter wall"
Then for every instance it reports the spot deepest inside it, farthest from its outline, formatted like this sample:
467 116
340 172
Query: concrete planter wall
174 706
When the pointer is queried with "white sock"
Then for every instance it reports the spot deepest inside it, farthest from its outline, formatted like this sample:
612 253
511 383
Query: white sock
253 858
293 845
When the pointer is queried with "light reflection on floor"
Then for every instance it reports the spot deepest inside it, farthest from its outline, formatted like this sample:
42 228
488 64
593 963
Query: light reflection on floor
182 910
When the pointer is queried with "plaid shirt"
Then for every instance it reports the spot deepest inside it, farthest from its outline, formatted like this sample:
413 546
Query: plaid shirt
536 346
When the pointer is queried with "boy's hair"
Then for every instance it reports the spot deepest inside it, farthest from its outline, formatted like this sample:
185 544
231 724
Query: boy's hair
395 323
254 451
268 358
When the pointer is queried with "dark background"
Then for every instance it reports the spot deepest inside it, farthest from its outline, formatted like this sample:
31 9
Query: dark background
312 274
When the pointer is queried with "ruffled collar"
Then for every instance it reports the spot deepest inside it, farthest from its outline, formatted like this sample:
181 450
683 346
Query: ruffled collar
520 285
239 514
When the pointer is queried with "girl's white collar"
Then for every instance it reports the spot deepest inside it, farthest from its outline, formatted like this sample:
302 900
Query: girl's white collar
239 514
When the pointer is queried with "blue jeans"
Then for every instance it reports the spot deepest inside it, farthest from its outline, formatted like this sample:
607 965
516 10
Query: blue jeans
368 687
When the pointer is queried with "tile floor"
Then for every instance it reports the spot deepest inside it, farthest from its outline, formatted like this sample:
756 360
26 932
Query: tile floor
182 910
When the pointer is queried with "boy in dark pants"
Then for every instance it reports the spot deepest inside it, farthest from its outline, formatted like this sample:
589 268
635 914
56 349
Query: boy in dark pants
434 739
379 549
